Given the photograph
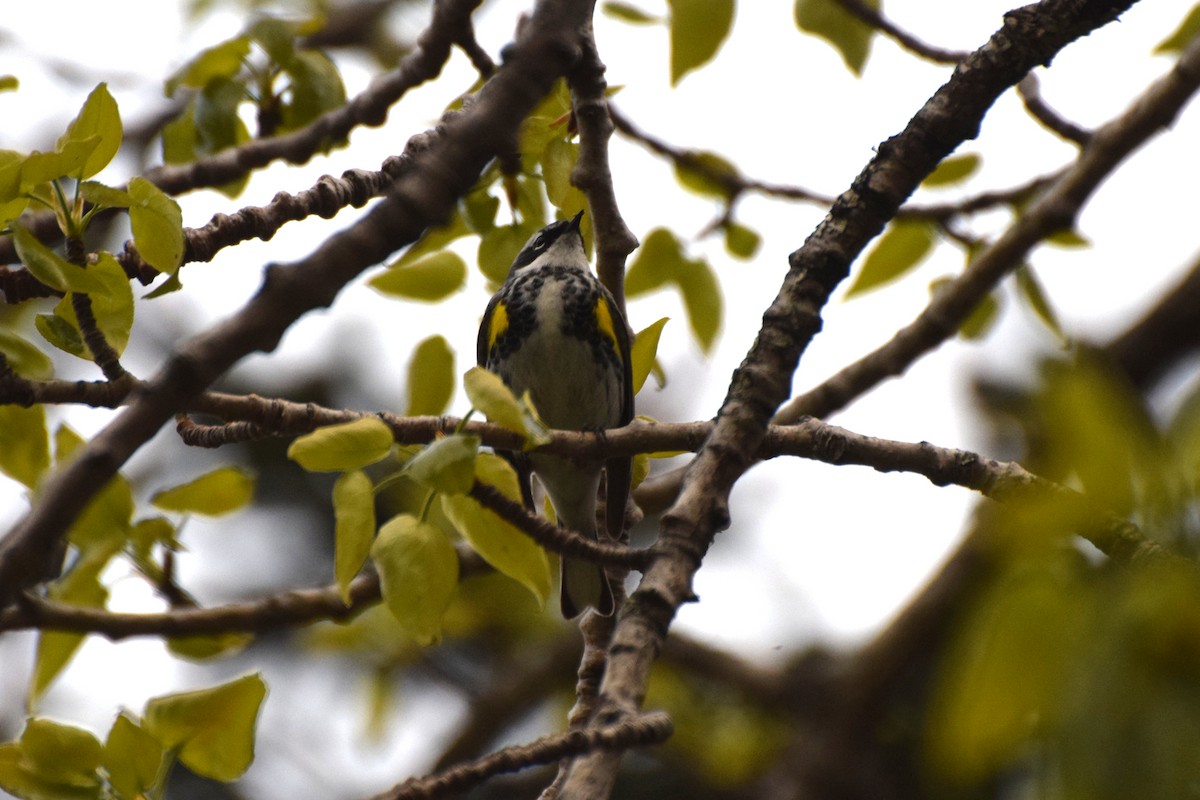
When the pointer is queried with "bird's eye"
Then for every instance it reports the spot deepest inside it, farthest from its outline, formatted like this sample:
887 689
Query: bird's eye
539 242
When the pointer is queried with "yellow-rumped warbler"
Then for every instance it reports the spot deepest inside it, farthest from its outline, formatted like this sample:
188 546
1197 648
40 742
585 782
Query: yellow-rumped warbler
555 331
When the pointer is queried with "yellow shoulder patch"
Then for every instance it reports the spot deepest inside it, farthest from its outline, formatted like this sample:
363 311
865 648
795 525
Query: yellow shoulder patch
604 322
498 324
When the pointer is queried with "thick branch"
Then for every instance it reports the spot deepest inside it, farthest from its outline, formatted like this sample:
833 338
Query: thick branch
441 166
1030 36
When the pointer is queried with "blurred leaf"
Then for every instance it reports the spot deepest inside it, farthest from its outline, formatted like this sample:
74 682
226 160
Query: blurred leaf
644 351
98 117
79 587
418 572
213 729
51 268
347 446
24 443
1183 35
133 758
698 27
479 210
12 198
500 544
705 176
24 358
112 308
171 284
157 226
952 170
849 35
558 161
982 317
898 251
655 263
740 241
213 494
446 465
434 240
61 754
498 249
179 137
215 114
9 83
203 647
430 278
316 87
1034 294
430 377
354 512
223 60
628 13
1068 238
702 301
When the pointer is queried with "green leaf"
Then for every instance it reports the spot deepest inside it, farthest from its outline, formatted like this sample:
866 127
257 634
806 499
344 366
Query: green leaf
982 317
98 194
435 240
62 334
205 647
698 27
179 138
68 161
171 284
113 310
215 114
51 268
316 87
656 263
62 754
24 358
24 443
628 13
488 393
12 198
354 512
55 649
953 170
221 491
19 780
1031 290
219 61
899 250
498 249
849 35
1068 238
430 377
133 758
1183 35
213 729
9 83
644 351
157 226
500 544
479 210
702 301
703 174
431 278
558 160
98 117
347 446
446 465
418 573
741 242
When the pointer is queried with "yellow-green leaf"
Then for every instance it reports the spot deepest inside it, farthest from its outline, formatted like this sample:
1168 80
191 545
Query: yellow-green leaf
430 377
431 278
656 263
698 27
9 83
702 300
982 317
24 443
741 242
558 160
706 174
337 448
489 394
354 515
99 194
213 729
953 170
12 198
157 226
418 573
98 117
1188 29
112 308
628 13
205 647
24 358
1031 290
499 247
1068 238
644 351
132 757
79 587
51 268
221 491
846 32
446 465
500 544
68 160
62 754
899 250
223 60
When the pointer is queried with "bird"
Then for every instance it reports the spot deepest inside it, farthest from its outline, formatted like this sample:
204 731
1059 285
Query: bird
553 330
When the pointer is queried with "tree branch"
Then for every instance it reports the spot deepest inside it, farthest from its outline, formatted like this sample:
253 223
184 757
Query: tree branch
440 167
1030 36
1056 210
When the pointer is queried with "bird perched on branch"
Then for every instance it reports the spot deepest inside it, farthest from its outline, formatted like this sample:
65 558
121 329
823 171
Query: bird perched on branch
554 330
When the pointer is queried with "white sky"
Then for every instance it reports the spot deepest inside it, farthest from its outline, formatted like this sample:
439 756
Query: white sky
814 551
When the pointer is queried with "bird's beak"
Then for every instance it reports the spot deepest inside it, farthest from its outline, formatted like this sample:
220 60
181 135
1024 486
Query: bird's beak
575 222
